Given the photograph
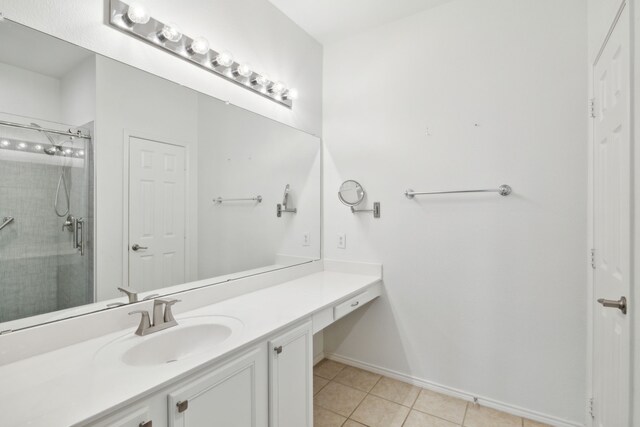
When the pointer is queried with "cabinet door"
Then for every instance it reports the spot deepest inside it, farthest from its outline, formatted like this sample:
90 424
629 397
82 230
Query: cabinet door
234 395
290 378
138 416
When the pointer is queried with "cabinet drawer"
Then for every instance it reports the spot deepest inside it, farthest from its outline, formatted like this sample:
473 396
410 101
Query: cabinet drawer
354 303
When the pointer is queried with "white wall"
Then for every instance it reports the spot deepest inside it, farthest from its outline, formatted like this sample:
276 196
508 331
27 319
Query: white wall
20 87
243 155
145 106
254 30
78 89
133 101
484 294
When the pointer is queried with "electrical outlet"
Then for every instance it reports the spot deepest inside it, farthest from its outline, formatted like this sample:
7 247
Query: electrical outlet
306 239
342 241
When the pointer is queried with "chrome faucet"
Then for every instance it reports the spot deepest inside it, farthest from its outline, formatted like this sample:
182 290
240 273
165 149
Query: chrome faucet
162 317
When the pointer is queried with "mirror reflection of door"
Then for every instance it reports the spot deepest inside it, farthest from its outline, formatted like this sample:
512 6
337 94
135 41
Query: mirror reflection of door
157 173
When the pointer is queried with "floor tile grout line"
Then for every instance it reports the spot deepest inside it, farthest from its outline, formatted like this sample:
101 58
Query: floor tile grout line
439 417
333 412
466 409
369 393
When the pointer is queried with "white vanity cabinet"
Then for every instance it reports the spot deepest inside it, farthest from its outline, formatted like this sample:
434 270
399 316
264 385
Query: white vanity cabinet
290 378
233 395
136 416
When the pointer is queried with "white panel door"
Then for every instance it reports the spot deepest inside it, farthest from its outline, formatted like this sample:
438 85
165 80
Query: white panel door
290 378
612 229
156 214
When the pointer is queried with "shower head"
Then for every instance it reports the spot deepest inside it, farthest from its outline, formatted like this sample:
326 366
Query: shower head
52 151
39 129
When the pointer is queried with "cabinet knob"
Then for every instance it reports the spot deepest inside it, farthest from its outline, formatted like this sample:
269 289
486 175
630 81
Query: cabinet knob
278 349
183 405
146 424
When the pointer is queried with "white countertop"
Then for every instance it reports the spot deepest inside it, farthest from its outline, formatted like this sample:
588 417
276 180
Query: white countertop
71 385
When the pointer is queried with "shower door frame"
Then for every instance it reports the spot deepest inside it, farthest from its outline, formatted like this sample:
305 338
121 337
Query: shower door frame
63 128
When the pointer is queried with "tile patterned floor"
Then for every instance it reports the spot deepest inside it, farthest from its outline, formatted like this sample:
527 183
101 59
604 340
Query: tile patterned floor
345 396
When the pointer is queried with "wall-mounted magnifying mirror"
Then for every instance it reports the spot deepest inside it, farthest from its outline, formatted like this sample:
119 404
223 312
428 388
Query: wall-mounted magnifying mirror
351 193
285 200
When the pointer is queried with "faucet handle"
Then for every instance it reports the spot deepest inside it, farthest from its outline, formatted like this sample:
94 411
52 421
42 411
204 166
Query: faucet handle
131 293
145 321
168 314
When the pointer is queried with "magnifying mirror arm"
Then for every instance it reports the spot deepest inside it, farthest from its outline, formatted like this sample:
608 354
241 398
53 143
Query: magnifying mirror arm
283 208
375 210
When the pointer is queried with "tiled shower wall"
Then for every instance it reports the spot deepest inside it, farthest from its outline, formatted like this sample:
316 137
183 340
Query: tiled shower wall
40 271
75 271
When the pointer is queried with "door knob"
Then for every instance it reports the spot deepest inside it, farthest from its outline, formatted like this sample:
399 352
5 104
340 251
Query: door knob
136 247
620 304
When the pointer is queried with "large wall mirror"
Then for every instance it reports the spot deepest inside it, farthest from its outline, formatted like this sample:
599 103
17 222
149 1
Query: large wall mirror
111 177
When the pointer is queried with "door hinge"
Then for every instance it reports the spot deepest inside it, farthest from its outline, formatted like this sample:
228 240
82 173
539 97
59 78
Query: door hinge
593 259
590 407
278 350
592 108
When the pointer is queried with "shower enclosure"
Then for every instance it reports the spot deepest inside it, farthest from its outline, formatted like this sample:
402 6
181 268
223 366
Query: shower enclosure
46 244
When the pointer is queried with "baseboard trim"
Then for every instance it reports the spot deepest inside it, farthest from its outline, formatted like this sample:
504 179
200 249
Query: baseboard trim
318 358
490 403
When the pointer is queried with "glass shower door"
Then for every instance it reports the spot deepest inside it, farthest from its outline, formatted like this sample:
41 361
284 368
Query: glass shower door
46 255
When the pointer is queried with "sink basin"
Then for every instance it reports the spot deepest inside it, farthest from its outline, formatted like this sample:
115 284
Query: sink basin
191 337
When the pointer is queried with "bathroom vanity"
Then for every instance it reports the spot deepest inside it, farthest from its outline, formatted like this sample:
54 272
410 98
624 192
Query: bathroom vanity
242 361
188 202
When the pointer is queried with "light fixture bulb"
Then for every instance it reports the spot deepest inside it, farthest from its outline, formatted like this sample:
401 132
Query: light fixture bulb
199 45
262 80
68 151
137 13
5 143
21 146
170 32
38 147
224 59
244 70
292 94
277 88
81 153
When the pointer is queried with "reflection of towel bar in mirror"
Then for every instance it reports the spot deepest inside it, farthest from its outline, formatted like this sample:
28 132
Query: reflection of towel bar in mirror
503 190
220 200
6 221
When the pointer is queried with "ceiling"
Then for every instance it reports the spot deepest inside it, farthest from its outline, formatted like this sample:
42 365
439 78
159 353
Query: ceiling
38 52
331 20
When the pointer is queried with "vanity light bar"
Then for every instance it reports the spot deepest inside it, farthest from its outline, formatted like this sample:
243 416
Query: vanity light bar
134 19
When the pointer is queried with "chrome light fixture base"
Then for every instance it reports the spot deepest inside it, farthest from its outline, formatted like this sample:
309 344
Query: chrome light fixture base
149 31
